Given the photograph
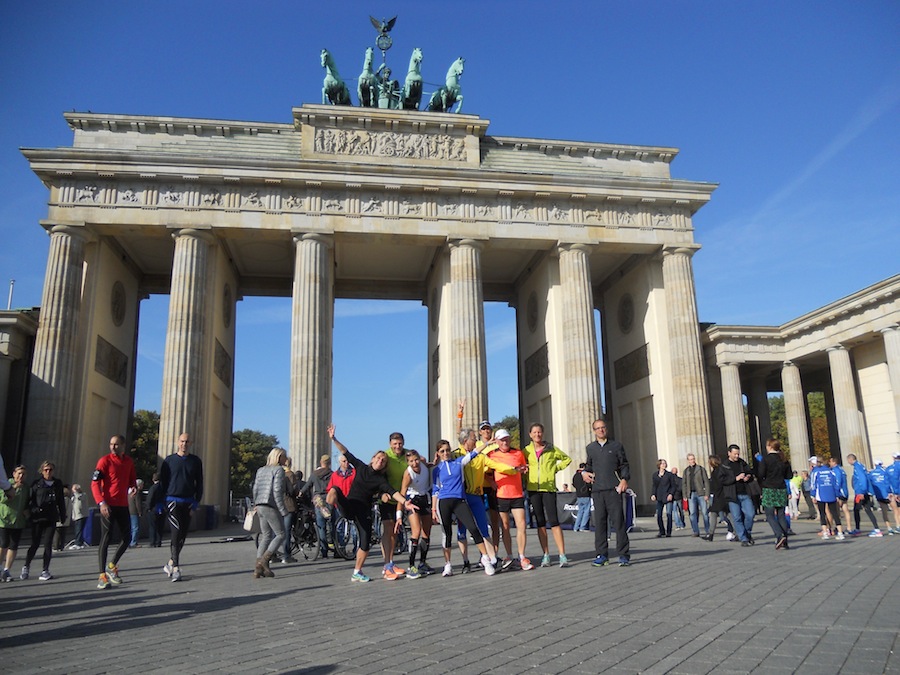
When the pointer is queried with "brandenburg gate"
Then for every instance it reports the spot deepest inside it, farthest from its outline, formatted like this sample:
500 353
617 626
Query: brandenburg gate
348 202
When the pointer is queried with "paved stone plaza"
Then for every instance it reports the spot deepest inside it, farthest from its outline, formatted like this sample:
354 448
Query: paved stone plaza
684 606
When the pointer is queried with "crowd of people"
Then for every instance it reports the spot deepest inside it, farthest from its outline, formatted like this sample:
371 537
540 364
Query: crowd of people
482 488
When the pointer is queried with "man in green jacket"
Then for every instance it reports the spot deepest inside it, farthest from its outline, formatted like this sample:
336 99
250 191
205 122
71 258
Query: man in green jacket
544 462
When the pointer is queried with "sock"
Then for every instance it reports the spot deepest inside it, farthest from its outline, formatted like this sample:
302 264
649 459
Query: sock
424 543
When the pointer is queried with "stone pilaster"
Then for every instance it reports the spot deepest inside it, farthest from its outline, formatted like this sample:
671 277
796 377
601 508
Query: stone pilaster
185 365
52 390
579 344
760 418
692 424
891 337
467 343
846 408
795 413
312 333
735 423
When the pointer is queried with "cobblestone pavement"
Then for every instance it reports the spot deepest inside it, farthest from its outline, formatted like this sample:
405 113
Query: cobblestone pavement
684 606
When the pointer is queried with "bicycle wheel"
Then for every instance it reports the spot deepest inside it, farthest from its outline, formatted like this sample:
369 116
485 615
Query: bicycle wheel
401 541
346 539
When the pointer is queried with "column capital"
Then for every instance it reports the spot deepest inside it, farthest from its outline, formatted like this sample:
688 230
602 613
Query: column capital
682 249
569 246
473 243
889 329
202 235
788 364
726 364
319 237
836 348
78 231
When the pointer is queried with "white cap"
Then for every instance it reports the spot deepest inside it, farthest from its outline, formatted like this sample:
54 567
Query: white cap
501 433
813 460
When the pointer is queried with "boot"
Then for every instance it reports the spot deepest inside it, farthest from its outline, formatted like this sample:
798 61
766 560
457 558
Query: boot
259 570
267 557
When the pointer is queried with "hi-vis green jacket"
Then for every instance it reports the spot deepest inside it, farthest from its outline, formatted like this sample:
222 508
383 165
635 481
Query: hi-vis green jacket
541 476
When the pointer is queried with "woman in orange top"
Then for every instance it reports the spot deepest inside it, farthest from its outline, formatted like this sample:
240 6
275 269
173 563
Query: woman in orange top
510 497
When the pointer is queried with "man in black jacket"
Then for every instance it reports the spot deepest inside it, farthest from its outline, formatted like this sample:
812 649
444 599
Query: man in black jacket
743 511
607 470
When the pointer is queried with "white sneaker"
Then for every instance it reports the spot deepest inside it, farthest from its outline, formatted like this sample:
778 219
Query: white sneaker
168 569
45 576
840 536
176 574
825 536
730 536
488 566
448 570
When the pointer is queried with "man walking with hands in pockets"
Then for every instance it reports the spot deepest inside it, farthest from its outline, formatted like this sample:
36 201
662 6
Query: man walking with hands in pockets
607 470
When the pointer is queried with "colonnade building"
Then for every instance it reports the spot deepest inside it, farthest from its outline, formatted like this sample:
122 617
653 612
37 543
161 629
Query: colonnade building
386 204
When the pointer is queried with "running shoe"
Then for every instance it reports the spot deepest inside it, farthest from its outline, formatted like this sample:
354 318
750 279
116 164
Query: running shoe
825 536
563 560
45 576
425 568
389 574
412 573
624 562
874 533
167 568
176 574
399 571
600 561
5 576
730 536
545 560
853 533
526 564
448 570
507 563
359 576
112 571
840 536
24 575
289 559
103 582
467 567
891 531
488 567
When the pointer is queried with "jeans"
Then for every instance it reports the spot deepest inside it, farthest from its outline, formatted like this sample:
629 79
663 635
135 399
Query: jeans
659 517
698 507
79 531
321 524
271 530
679 514
742 514
583 519
135 529
289 521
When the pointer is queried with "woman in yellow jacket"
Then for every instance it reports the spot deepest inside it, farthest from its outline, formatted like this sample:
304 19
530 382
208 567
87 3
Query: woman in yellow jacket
544 462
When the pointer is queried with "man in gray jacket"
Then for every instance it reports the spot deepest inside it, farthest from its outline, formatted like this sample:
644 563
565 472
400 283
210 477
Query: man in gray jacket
696 490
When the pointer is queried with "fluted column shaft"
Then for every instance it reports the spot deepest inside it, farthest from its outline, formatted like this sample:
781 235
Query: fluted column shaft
846 407
312 336
795 413
579 344
735 424
760 418
467 342
52 394
184 372
692 425
892 354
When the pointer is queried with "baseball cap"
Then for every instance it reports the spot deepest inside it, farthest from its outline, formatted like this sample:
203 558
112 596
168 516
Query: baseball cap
484 423
813 460
897 455
501 433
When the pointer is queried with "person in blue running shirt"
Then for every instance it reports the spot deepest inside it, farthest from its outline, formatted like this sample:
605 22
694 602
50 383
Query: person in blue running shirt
843 488
893 472
861 498
880 484
449 500
825 492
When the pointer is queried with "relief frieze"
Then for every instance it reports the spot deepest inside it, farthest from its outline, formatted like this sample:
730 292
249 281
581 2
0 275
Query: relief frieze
360 142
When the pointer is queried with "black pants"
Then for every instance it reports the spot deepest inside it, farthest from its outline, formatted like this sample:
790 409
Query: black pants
41 533
156 521
118 516
179 522
864 503
608 509
459 508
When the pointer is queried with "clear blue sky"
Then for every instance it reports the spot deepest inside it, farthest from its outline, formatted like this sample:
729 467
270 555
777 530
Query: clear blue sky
793 108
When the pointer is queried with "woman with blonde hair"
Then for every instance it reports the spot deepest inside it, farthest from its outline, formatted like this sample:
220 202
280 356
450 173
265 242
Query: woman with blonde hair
268 496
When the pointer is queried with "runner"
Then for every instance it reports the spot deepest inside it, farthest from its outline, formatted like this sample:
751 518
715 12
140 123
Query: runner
511 498
544 461
113 480
416 487
357 503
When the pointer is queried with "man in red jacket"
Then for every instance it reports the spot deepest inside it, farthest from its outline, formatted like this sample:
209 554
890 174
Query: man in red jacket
114 479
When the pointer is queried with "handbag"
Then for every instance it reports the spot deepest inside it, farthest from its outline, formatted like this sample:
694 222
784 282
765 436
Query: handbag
251 521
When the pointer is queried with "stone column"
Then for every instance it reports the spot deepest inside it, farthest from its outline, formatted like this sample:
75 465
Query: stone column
892 354
846 408
468 361
760 419
795 413
52 391
692 425
312 332
733 403
184 368
5 365
579 344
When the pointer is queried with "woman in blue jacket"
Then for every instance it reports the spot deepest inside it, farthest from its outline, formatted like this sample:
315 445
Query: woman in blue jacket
825 491
450 500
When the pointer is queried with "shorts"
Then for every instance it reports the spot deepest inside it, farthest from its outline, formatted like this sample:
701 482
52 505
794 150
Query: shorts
507 505
421 501
543 506
491 496
9 538
388 511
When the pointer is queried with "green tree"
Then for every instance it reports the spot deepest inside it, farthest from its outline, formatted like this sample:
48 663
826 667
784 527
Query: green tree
145 446
248 452
778 421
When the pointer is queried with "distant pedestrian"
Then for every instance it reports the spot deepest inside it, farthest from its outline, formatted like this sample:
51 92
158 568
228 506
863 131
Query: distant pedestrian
268 498
13 504
772 472
806 491
696 490
678 509
78 512
47 505
861 496
825 490
743 510
135 511
663 495
156 499
181 479
723 493
583 500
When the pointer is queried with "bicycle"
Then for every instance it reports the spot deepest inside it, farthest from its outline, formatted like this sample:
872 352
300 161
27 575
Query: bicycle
304 535
347 536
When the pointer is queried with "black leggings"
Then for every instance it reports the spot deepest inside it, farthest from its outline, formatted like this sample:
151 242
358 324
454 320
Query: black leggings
361 514
118 516
835 513
41 533
180 522
459 508
543 505
865 503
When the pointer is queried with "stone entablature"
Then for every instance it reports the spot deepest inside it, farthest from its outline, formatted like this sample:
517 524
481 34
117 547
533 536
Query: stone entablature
840 323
